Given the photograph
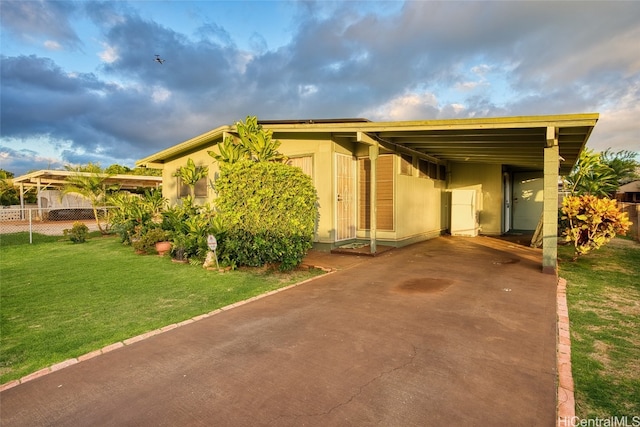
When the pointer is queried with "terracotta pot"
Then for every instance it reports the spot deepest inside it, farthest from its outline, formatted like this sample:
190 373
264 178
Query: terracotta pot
163 247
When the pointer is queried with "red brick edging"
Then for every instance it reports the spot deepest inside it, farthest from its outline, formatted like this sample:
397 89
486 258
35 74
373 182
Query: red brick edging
129 341
566 409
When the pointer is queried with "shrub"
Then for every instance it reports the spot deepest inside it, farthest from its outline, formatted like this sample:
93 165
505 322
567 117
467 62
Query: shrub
147 240
269 213
78 233
592 222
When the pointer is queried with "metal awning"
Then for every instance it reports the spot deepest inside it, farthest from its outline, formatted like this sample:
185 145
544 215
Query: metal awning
57 178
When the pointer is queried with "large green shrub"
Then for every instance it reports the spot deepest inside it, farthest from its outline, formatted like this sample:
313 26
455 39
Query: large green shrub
269 212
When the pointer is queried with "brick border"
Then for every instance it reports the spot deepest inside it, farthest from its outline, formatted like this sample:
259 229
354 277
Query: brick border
566 409
133 340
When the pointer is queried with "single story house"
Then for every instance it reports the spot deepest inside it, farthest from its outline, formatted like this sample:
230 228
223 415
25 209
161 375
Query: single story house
397 183
629 192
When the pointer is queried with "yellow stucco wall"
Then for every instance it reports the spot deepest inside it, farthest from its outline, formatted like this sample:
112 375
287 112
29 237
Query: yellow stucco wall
487 180
170 182
418 206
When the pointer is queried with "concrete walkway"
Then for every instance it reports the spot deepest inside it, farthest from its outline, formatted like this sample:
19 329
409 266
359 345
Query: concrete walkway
453 331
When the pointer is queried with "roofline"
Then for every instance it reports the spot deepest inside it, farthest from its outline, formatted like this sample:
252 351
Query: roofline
363 125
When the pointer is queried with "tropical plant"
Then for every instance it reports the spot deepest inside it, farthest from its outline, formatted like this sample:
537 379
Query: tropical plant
623 163
134 214
253 143
592 222
591 176
268 211
146 243
191 174
77 233
90 182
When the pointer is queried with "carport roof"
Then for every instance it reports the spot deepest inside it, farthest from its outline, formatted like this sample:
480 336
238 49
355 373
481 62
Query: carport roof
517 142
57 178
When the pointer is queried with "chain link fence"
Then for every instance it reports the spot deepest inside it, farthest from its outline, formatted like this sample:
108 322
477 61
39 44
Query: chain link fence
22 224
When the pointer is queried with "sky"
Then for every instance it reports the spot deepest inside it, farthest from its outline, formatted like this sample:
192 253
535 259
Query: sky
79 82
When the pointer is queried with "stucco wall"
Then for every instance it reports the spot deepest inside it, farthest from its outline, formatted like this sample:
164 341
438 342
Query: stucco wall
487 180
418 206
170 182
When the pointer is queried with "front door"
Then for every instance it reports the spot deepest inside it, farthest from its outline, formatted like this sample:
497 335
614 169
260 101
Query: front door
345 197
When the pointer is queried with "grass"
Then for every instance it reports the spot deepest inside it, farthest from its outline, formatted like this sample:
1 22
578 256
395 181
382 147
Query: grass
60 300
603 295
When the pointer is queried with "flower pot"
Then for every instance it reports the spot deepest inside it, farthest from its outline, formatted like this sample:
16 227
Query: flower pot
163 247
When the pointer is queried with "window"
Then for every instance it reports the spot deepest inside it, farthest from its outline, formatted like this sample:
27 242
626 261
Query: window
200 188
406 164
384 193
423 167
305 163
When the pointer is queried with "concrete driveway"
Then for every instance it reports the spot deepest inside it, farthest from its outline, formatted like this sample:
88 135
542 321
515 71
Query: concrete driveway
452 331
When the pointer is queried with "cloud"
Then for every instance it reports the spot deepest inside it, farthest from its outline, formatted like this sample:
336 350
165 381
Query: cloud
383 61
31 20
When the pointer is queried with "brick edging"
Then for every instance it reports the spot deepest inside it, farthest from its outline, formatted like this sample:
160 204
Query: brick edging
132 340
566 409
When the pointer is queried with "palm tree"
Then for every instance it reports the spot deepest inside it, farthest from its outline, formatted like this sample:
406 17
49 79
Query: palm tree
93 186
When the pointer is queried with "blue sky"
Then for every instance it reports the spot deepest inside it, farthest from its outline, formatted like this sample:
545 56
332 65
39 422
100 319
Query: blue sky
79 84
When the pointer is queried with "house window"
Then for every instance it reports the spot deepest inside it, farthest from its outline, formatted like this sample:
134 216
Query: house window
406 164
305 163
384 193
200 188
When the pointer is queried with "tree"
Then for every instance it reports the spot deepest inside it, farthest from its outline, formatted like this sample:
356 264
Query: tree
623 163
90 182
253 143
591 176
600 174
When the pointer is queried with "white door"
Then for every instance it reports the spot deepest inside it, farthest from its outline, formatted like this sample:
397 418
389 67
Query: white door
464 221
527 200
345 197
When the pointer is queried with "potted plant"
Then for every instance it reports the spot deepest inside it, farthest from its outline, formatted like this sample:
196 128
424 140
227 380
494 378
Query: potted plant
147 241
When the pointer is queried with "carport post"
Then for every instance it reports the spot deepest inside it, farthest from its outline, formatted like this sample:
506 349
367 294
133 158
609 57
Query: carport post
373 157
550 203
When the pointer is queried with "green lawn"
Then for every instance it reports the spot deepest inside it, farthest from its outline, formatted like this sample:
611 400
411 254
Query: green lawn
603 295
60 300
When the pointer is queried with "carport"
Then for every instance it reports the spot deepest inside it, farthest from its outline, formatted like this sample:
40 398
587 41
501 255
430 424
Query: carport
550 145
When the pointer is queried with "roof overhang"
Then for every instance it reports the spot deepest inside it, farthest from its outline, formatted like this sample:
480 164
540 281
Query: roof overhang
57 178
516 142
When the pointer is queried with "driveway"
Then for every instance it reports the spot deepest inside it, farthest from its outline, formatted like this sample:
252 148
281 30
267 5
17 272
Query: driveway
452 331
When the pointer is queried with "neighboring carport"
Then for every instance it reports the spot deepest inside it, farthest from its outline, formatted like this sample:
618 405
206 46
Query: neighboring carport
549 144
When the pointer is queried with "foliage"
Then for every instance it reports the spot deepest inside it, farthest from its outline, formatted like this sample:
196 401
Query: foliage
253 143
147 241
592 222
116 169
77 233
191 174
600 174
10 194
591 176
268 211
623 163
91 182
189 225
134 214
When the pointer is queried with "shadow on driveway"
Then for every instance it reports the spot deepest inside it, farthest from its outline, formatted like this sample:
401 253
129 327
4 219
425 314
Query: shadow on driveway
452 331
